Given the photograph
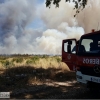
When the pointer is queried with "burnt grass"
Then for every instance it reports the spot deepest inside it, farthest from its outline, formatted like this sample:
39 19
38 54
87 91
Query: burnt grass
28 82
26 74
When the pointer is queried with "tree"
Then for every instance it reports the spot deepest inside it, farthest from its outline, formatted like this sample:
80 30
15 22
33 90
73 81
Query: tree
79 4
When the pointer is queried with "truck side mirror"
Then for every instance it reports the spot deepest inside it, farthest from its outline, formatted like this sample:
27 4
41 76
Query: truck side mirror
69 46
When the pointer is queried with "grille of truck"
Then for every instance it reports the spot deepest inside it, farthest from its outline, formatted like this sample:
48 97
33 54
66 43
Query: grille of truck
89 71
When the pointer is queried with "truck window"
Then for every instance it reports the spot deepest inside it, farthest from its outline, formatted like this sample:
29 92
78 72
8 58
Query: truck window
73 47
90 45
86 43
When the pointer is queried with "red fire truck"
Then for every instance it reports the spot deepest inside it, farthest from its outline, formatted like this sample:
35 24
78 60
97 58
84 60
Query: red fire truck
83 57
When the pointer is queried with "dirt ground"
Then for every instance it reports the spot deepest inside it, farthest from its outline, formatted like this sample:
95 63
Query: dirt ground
44 85
56 90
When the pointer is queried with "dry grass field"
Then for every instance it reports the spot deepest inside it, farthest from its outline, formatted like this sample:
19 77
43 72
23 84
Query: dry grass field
18 72
36 61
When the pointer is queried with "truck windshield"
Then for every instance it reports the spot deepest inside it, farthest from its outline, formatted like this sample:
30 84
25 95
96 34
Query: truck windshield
89 45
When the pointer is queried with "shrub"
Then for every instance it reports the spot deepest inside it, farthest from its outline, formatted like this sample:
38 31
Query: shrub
58 59
17 60
35 59
45 56
29 62
2 62
7 63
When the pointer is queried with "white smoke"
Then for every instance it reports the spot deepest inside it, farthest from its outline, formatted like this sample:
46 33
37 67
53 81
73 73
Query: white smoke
15 15
60 24
89 18
62 19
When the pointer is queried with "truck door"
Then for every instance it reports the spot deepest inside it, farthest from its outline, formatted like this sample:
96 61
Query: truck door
69 53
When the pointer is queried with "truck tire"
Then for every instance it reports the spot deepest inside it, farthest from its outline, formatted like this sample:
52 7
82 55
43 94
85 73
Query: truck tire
93 87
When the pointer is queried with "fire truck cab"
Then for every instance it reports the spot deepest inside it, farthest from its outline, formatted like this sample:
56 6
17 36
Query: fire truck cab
83 57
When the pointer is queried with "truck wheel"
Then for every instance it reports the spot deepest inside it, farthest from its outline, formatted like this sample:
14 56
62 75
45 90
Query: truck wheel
94 90
93 87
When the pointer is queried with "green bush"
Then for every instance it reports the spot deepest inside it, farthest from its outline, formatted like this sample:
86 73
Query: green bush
17 60
45 56
6 63
35 59
29 62
14 59
2 62
58 59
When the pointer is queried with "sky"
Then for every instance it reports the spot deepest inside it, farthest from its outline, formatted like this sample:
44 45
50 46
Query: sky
37 22
28 27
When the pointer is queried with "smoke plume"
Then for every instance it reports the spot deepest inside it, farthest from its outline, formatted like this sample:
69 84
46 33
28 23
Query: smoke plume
60 24
15 15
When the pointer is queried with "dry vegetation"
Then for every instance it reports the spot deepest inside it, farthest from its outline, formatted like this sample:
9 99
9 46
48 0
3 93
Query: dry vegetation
36 61
30 69
23 72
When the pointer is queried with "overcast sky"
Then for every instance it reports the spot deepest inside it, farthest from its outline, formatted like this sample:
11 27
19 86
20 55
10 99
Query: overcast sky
27 26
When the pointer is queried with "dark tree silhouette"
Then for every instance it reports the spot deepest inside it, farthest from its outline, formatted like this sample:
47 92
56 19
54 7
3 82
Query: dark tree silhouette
79 4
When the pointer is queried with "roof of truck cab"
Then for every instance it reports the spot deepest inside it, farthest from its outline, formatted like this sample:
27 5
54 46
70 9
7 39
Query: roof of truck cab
92 33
